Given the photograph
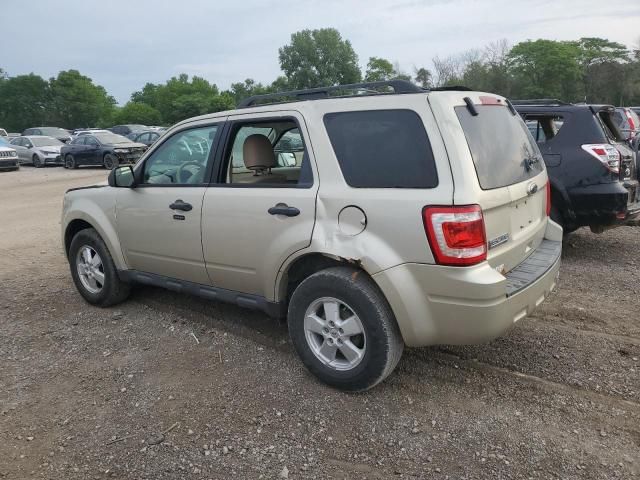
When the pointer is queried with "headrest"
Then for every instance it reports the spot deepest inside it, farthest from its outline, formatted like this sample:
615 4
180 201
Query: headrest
258 153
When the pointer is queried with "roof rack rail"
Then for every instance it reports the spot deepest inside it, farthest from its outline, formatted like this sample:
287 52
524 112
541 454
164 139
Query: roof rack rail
398 86
540 101
451 88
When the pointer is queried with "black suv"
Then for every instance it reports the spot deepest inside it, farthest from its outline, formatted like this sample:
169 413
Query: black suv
591 168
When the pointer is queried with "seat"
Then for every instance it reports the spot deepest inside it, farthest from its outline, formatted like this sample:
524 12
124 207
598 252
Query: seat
258 157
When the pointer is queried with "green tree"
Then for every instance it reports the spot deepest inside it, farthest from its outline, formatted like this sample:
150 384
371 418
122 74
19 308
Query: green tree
546 68
181 97
249 87
23 102
379 69
75 101
136 112
316 58
423 77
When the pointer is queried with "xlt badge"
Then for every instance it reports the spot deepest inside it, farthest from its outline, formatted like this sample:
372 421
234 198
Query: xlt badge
494 242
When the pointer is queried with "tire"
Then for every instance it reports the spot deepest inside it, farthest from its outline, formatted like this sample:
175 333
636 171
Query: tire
36 161
70 162
112 290
380 346
110 161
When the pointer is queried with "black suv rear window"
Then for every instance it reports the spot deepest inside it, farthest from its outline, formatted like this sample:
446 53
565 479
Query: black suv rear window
382 149
502 148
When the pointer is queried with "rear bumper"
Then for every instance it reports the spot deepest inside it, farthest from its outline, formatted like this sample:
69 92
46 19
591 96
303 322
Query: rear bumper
606 205
449 305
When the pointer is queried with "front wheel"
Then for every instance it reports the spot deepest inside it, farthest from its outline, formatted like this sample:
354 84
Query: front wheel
110 161
93 271
70 162
343 329
36 161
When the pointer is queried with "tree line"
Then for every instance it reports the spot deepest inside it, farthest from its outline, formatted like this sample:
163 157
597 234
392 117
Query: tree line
593 70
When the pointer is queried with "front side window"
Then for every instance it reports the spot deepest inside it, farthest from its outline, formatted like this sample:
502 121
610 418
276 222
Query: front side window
268 153
182 159
503 150
382 149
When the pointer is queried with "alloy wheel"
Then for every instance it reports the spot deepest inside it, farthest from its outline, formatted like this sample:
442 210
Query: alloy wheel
90 269
334 333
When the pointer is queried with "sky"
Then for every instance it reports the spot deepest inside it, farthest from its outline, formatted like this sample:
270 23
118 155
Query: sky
123 44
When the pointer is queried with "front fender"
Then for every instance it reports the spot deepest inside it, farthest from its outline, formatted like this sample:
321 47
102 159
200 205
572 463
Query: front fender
99 212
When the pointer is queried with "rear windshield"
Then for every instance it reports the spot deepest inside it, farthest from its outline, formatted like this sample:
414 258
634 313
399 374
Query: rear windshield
503 151
382 149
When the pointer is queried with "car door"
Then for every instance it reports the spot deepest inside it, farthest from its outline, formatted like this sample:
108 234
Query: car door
17 144
91 152
253 220
158 222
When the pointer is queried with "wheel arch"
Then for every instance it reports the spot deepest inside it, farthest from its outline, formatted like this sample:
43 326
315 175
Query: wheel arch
297 269
92 217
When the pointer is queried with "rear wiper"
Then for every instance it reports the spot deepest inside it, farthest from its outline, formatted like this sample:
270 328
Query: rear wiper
530 161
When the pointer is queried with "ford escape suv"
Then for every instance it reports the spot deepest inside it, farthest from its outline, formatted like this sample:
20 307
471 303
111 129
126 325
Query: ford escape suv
371 216
591 168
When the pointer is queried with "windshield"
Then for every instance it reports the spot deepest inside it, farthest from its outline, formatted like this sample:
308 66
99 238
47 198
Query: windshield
53 131
111 138
45 141
503 150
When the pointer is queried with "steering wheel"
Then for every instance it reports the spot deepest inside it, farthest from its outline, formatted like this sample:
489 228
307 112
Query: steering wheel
194 168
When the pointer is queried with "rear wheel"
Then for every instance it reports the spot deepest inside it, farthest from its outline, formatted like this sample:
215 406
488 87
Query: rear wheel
343 329
93 271
69 161
110 161
36 161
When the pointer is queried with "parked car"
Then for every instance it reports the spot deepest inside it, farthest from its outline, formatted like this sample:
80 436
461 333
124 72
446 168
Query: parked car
38 151
79 133
148 137
3 133
125 130
55 132
107 149
628 123
13 134
383 252
8 156
591 168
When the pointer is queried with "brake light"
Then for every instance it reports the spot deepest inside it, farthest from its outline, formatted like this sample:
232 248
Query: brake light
456 234
632 125
607 154
548 206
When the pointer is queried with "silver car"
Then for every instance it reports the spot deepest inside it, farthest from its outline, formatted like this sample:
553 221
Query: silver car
38 150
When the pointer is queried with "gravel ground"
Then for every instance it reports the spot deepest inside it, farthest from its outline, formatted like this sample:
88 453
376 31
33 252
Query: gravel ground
169 386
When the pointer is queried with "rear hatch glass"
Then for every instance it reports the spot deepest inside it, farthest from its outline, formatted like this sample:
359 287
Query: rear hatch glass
511 173
503 151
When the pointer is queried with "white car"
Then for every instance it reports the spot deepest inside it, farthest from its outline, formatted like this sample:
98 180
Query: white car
8 157
38 150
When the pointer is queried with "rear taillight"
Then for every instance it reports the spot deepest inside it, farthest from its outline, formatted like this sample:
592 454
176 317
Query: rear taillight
456 234
548 205
607 154
632 125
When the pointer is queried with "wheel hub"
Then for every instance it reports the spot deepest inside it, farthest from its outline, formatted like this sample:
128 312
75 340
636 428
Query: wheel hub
335 333
90 269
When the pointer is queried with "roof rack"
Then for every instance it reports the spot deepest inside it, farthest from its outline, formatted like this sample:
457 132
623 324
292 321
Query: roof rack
540 101
398 86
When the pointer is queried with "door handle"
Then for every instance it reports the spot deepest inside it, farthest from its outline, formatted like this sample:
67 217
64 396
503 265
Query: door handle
180 205
284 209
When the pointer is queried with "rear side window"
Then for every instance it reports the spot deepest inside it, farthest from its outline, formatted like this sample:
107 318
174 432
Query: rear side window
382 149
503 150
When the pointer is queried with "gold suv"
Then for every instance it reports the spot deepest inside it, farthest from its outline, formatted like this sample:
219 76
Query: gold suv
371 216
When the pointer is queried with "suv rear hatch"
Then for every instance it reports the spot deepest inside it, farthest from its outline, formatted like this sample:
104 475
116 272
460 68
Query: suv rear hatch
627 163
501 169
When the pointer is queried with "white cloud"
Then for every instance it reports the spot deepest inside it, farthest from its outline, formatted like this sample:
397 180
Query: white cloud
124 44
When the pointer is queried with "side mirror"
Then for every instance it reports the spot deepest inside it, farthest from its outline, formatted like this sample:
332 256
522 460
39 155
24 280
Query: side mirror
122 177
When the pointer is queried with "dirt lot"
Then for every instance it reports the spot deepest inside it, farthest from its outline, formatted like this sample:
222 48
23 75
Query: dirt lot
87 392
